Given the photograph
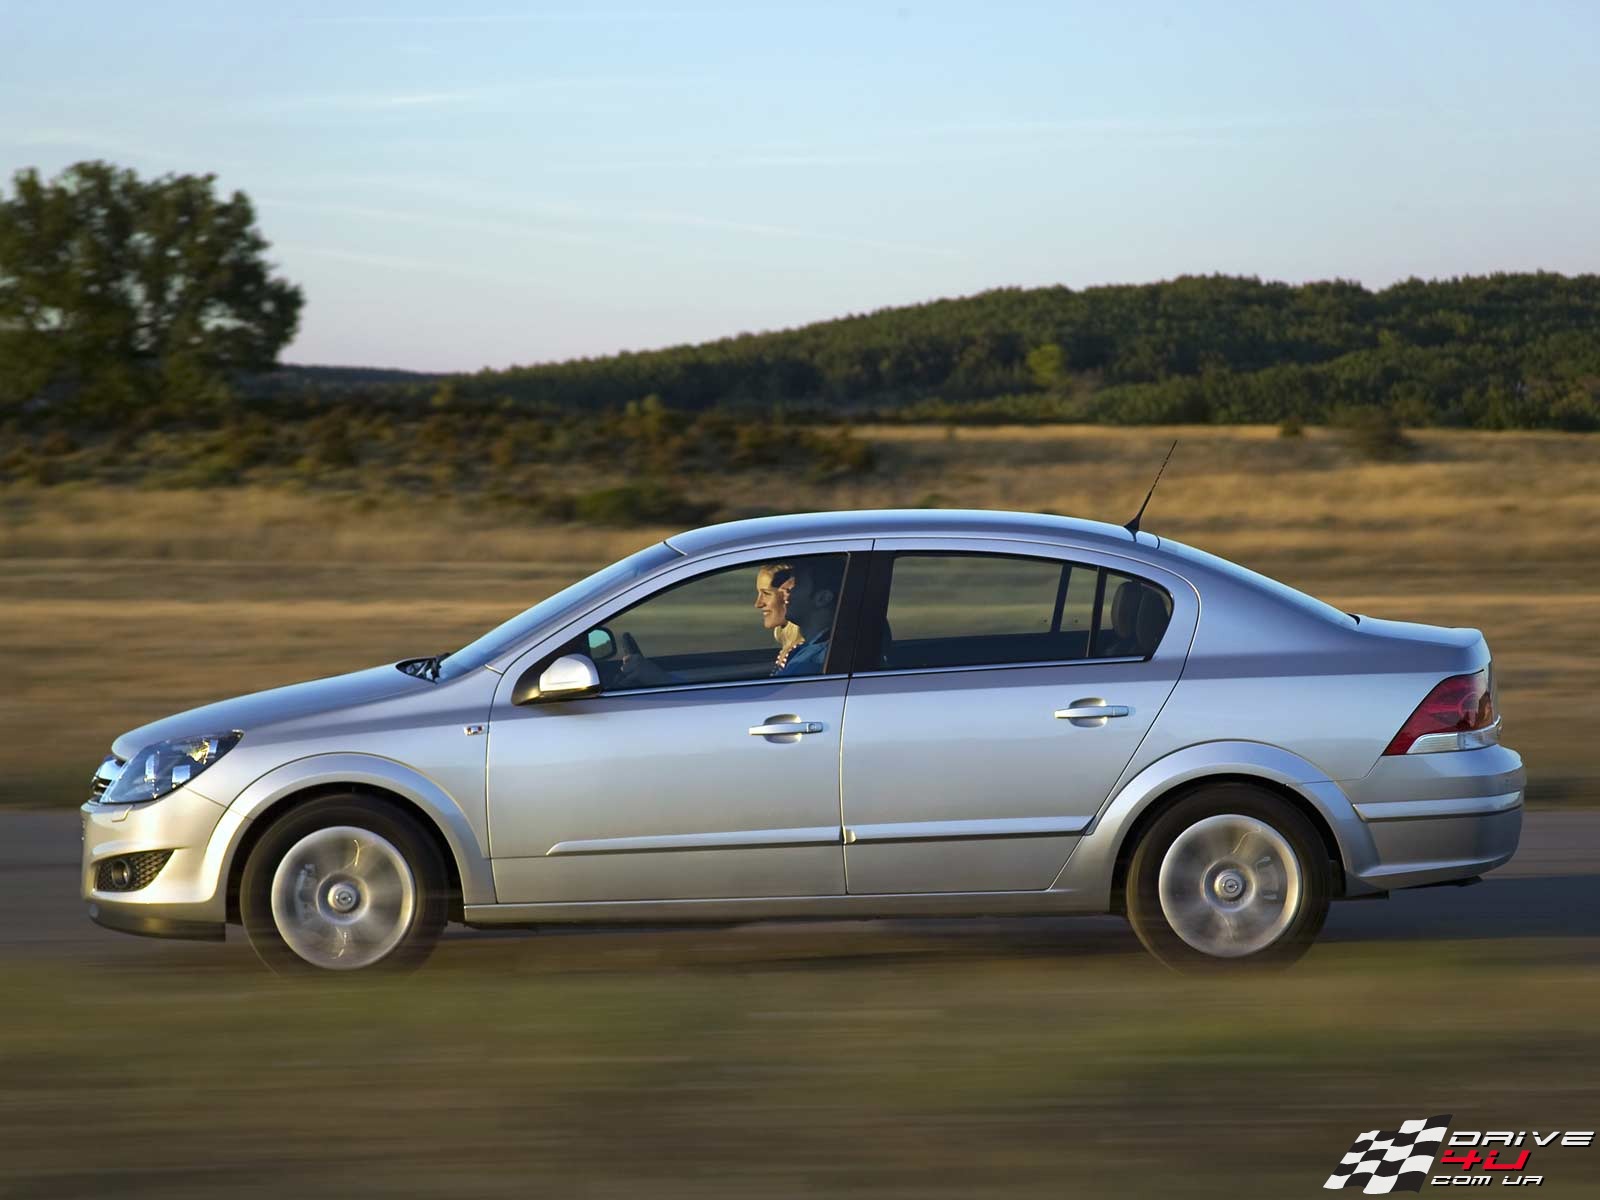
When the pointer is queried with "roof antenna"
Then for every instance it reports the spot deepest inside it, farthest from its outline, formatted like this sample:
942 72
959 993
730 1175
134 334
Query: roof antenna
1133 525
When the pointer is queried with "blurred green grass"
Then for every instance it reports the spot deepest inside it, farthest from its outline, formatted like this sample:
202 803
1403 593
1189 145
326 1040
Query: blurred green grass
775 1061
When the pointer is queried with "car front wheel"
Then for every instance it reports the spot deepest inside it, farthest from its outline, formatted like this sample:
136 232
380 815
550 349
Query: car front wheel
1230 874
343 883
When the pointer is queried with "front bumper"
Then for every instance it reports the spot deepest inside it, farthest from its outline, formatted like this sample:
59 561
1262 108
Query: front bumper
188 896
1433 818
123 919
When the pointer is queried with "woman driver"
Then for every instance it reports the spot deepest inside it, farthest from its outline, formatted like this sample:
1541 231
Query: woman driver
774 582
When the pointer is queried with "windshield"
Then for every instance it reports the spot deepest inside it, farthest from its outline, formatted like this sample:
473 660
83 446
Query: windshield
507 636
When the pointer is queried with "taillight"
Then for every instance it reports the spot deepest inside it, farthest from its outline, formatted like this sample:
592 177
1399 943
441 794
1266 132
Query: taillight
1449 718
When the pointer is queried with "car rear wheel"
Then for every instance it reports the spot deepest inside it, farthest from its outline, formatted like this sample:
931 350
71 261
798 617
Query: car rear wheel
343 883
1231 874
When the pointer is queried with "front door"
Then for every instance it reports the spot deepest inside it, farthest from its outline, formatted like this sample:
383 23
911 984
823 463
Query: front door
697 773
1006 693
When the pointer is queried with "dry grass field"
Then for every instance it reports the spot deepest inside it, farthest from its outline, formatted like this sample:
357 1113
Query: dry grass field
121 605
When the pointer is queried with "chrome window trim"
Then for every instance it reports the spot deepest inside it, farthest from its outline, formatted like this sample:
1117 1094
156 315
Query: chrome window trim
974 543
735 683
1026 665
702 687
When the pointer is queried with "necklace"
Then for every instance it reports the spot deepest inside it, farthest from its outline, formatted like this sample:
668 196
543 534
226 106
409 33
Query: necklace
783 655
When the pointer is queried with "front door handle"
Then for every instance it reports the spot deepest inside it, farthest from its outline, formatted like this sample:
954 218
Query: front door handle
1090 712
778 728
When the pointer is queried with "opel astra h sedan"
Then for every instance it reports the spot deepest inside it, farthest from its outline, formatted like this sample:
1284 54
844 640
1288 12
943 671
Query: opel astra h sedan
871 714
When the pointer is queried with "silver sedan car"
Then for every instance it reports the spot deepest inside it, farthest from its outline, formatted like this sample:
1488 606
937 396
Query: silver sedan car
870 714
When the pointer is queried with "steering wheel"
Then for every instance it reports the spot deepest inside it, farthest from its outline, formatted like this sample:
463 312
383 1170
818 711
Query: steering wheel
630 646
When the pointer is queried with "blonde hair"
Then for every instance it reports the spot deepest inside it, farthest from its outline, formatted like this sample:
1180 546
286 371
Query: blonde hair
788 634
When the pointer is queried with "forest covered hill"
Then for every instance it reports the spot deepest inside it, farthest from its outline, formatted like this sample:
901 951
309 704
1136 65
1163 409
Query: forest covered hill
1488 351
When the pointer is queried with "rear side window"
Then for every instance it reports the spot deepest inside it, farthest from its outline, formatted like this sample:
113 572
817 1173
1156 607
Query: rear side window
1133 616
964 610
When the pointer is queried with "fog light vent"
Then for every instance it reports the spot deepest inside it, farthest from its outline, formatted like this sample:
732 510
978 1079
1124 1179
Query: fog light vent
129 872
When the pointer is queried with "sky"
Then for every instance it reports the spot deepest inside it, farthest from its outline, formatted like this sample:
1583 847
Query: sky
482 183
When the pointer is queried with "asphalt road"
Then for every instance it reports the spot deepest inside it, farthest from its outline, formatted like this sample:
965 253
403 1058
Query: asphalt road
1551 889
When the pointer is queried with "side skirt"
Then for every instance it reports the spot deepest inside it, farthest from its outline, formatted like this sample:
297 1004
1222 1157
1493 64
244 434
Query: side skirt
1057 902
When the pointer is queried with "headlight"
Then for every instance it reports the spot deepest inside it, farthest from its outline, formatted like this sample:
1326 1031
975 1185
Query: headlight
158 769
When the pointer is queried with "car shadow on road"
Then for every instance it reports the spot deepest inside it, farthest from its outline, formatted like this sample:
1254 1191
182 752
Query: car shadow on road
1552 906
1560 906
1506 909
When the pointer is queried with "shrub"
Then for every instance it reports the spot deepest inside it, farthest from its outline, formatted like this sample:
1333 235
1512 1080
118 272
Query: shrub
328 443
1291 428
839 454
1576 412
639 504
56 443
203 471
1374 433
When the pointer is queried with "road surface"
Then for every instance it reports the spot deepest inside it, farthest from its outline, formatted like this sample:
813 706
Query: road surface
1551 889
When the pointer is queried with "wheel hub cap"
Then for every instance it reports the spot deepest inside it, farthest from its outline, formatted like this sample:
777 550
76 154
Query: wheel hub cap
1230 885
343 897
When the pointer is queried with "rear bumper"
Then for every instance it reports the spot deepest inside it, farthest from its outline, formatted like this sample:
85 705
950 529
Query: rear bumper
1433 818
1415 851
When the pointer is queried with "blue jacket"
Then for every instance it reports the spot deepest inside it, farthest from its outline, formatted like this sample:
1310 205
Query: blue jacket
806 658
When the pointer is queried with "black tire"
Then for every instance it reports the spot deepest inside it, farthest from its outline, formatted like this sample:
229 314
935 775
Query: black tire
1300 920
415 929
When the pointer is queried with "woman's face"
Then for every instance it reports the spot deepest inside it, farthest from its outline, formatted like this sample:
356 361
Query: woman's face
773 602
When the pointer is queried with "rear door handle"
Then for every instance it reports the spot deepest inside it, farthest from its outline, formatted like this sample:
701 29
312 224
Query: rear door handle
1084 712
776 728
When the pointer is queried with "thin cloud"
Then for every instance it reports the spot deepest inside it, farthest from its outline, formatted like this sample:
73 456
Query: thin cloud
495 96
387 262
573 16
467 197
466 224
356 102
505 228
113 145
395 262
780 231
1164 126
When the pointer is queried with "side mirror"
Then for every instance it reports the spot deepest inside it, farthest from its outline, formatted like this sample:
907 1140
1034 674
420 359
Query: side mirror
569 677
601 644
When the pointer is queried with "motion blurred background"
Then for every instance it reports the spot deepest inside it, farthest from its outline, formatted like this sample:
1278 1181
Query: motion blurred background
251 264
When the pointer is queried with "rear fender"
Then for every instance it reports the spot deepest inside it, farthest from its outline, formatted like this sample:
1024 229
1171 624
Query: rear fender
1090 870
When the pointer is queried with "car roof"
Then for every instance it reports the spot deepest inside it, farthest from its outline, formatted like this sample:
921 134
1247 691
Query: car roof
906 522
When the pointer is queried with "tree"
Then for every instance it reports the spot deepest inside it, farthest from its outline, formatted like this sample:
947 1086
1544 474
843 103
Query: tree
1047 365
116 290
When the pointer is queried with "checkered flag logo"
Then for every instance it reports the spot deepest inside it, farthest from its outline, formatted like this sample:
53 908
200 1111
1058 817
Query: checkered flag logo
1397 1161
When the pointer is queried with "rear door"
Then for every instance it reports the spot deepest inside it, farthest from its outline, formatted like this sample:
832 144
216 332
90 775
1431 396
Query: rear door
1000 689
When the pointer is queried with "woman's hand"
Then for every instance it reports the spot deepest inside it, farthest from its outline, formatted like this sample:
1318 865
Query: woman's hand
637 670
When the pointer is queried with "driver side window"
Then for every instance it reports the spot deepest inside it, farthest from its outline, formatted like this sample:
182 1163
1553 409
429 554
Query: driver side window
765 618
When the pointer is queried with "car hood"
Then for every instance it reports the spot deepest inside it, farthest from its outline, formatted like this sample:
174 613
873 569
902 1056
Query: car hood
266 708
